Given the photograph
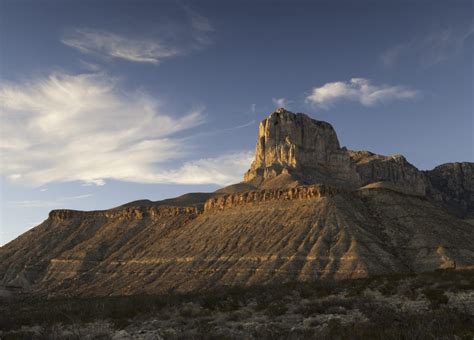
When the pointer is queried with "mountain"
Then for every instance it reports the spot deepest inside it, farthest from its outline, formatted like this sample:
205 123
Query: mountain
307 209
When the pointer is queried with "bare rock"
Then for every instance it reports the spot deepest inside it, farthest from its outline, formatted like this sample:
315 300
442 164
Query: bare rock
305 149
452 185
394 169
294 149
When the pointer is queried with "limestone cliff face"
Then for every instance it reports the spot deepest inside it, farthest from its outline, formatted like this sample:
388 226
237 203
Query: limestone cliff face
298 193
452 184
296 145
125 213
307 151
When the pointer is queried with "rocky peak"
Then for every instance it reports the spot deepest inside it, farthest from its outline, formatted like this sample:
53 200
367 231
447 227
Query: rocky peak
299 146
294 149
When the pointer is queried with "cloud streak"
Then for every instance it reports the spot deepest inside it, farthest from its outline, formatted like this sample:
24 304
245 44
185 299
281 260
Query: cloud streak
46 203
115 46
153 50
429 49
222 170
359 90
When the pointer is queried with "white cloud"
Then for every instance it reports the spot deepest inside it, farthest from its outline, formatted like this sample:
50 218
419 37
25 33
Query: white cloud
116 46
84 128
222 170
281 102
194 35
46 203
430 49
360 90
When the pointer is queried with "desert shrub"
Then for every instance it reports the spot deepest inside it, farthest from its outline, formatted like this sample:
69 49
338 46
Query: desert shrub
331 305
436 297
310 309
389 288
122 310
380 314
464 284
408 292
211 301
230 304
276 309
305 291
238 315
442 323
336 310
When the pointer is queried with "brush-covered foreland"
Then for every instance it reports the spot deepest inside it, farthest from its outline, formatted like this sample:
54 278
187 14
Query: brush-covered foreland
432 305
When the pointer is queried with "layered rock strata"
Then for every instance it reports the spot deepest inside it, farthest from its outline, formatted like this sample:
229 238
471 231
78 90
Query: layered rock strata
302 192
126 213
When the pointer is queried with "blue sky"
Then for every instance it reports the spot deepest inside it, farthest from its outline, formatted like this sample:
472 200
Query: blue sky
105 102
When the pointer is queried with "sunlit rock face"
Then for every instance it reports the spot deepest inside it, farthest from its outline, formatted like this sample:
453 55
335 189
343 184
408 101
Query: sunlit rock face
294 149
304 148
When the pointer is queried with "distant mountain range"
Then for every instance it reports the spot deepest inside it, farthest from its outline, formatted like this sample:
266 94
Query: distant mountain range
307 209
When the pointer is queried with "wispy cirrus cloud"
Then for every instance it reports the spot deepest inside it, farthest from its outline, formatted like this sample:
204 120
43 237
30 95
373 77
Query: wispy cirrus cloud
153 49
222 170
85 128
360 90
116 46
47 203
430 49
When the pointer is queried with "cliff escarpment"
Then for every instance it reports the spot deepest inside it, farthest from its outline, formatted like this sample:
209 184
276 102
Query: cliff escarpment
256 196
125 213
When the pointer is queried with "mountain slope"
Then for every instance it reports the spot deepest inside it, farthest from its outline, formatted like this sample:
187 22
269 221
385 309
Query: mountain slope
328 235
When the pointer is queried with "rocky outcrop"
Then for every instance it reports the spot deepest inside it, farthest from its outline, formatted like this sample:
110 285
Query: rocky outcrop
298 193
304 148
125 213
294 149
394 169
452 185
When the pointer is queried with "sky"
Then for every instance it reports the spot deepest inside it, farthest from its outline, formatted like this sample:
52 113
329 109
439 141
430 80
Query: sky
106 102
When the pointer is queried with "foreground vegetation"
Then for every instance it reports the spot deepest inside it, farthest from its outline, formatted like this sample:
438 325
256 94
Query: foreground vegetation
405 306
